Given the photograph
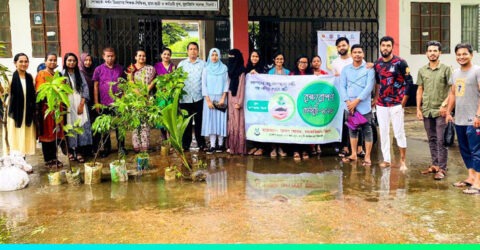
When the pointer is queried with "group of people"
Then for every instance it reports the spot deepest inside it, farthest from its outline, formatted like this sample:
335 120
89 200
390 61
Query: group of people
215 93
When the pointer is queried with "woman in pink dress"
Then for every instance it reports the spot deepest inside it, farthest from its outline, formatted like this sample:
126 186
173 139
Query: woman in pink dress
236 92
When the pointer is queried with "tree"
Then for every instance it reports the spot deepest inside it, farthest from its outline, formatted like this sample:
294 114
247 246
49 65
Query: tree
172 33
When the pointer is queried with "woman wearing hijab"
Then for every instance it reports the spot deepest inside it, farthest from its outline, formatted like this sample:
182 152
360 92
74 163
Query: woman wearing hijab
21 111
78 106
214 91
86 69
236 93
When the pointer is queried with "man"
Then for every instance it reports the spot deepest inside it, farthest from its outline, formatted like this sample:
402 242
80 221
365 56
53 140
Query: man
343 46
357 83
102 77
432 100
464 96
192 101
391 94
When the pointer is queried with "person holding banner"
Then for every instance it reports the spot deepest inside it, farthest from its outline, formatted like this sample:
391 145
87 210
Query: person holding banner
316 64
236 93
278 69
214 91
301 68
391 94
357 83
255 66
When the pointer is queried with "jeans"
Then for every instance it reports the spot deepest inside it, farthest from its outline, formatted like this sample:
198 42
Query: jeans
469 143
435 128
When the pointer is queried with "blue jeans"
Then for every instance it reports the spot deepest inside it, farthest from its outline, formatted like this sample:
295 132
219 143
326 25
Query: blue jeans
469 143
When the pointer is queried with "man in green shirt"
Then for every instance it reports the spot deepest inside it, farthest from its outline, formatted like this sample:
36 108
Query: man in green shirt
432 100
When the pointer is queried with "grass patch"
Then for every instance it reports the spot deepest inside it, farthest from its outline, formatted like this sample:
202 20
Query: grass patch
4 231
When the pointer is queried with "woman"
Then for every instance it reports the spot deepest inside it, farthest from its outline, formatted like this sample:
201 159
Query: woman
141 72
301 68
255 66
278 69
316 63
165 66
87 68
78 108
236 93
46 134
21 110
214 91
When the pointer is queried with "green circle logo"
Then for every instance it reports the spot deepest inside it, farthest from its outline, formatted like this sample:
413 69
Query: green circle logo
281 106
318 103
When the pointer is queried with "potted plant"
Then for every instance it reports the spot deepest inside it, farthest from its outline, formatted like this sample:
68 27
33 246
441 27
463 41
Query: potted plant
102 125
55 94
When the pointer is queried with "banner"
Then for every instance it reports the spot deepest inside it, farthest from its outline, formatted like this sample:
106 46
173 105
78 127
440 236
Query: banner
292 109
155 4
326 45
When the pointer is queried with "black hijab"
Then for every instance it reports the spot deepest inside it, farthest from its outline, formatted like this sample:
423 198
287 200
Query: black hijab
16 108
235 69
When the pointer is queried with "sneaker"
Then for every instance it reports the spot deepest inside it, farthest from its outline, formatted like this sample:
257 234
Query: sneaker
210 151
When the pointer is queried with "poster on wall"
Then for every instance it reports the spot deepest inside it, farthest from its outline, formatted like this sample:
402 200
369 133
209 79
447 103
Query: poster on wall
326 45
155 4
292 109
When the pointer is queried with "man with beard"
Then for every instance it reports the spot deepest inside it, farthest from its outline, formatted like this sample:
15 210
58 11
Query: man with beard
432 100
391 94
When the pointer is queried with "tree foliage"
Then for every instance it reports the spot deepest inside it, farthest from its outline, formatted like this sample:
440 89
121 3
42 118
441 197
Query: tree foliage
172 33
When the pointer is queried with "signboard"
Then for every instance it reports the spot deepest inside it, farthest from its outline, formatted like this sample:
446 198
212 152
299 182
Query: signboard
155 4
326 45
292 109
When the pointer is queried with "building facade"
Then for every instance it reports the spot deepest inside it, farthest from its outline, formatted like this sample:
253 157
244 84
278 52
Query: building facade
36 27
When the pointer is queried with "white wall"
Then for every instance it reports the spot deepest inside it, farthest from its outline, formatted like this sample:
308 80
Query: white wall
21 35
417 61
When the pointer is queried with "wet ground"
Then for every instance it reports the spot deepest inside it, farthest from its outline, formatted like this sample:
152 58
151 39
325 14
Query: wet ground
254 200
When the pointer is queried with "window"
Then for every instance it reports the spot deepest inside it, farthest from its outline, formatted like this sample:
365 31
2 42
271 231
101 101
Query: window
44 23
470 22
429 21
5 34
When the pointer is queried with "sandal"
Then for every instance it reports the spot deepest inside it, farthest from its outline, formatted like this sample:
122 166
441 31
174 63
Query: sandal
348 160
361 154
460 184
430 170
56 164
440 175
366 163
385 164
71 157
259 152
80 158
296 156
252 151
471 190
281 153
305 155
343 153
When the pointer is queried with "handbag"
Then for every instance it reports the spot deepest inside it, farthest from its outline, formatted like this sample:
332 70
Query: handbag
355 120
222 107
449 134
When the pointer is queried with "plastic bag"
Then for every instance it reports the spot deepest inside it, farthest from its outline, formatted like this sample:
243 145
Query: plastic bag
449 134
12 178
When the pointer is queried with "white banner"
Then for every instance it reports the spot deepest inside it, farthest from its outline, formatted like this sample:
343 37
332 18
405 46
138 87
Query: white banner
292 109
326 45
155 4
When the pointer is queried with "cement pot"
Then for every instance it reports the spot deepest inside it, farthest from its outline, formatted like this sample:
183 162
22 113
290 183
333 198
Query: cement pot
93 174
118 171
